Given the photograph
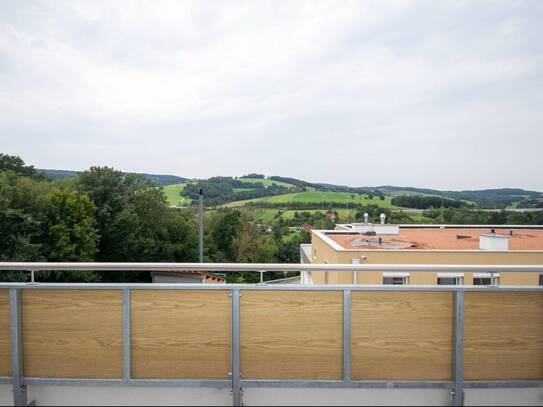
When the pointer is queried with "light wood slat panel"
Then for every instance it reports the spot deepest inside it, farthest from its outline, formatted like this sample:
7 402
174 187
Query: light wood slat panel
5 362
181 334
503 336
72 333
291 335
401 336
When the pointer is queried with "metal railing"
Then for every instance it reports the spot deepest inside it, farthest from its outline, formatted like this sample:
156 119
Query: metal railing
456 386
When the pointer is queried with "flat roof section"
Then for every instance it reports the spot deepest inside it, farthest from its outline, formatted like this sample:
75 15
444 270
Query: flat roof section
437 239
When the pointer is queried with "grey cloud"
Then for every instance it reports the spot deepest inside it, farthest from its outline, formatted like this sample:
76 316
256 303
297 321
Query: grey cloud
438 94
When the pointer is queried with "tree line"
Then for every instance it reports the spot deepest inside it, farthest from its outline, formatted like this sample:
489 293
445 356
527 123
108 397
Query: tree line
104 215
425 202
220 190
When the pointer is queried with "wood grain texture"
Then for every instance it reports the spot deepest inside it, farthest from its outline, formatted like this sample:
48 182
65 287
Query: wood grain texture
181 334
291 335
503 336
401 336
5 362
72 333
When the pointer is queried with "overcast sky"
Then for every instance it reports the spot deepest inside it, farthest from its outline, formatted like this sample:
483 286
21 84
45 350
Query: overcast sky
444 94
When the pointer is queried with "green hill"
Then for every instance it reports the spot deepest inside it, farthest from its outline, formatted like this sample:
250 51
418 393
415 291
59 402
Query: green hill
266 182
341 198
173 194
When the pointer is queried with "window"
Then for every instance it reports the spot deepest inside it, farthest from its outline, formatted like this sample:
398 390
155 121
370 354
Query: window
486 278
449 280
541 279
482 281
395 280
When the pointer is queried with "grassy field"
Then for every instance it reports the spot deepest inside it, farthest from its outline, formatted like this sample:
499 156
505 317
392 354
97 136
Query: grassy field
326 196
173 196
418 218
266 182
265 215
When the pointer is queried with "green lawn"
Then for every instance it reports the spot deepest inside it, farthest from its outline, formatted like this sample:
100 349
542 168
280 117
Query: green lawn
326 196
265 215
419 218
266 182
243 189
289 214
173 194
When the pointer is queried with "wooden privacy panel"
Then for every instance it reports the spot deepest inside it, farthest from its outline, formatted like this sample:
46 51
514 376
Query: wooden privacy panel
5 362
401 335
181 334
72 333
503 336
291 334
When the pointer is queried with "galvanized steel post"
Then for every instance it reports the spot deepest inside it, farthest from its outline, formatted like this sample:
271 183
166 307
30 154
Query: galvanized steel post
19 389
347 336
236 374
458 356
127 335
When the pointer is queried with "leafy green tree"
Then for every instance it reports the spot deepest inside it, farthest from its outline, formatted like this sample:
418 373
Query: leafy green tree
71 227
16 165
253 246
225 230
118 223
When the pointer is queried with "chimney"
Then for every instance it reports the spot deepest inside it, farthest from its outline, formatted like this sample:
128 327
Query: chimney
383 217
366 218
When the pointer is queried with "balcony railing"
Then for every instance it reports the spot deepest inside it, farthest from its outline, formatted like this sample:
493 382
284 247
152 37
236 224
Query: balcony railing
254 336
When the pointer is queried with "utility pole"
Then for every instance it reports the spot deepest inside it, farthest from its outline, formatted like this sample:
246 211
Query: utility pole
323 215
201 234
442 221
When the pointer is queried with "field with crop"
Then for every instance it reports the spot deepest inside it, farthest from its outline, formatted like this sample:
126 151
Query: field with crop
173 194
329 197
266 182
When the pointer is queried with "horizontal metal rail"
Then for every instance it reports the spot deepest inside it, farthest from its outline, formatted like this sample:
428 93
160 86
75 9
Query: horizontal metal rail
267 287
250 267
371 384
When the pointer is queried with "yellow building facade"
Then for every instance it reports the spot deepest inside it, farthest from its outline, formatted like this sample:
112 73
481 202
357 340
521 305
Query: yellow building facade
337 247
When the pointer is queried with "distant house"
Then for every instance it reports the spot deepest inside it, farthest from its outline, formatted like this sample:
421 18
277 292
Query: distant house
186 277
307 227
330 216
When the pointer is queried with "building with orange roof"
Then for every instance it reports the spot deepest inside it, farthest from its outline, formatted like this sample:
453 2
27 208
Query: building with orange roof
366 243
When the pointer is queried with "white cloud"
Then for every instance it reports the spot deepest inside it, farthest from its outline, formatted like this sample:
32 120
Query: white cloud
356 92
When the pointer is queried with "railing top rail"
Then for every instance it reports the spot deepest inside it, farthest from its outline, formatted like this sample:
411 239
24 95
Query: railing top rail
249 267
265 287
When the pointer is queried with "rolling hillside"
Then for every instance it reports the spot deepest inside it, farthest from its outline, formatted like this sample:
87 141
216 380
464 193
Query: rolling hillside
266 182
272 190
173 194
340 198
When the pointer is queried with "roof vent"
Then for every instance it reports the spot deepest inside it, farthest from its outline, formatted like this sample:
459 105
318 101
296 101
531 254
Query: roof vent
366 218
494 242
383 217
